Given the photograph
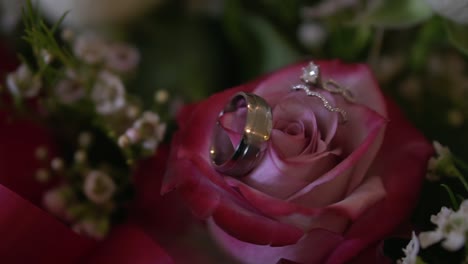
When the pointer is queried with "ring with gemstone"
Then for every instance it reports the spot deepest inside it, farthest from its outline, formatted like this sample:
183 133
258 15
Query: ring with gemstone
240 134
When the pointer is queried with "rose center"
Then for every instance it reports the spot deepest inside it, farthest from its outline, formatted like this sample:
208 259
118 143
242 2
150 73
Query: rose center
294 129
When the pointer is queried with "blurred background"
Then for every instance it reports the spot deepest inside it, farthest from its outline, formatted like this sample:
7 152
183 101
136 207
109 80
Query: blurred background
192 48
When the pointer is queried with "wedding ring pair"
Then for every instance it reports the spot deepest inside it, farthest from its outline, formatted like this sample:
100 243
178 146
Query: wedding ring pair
244 126
240 134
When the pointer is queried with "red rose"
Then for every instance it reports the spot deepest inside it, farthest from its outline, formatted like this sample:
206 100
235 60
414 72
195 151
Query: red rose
325 192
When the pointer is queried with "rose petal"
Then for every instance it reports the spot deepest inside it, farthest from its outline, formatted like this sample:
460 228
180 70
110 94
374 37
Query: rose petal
274 177
288 145
405 151
128 244
228 208
159 216
9 60
364 135
368 193
319 124
323 243
286 212
19 141
251 227
269 205
359 80
30 235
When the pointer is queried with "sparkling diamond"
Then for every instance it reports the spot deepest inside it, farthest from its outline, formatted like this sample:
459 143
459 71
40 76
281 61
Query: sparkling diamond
310 74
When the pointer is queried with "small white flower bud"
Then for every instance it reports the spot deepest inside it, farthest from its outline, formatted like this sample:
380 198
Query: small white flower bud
42 175
46 56
80 156
123 141
161 96
68 35
41 153
132 111
85 139
57 164
455 118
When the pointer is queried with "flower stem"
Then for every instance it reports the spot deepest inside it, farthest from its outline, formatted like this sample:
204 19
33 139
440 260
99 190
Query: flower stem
453 200
460 163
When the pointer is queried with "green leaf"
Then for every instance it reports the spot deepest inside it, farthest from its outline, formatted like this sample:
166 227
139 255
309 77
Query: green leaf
419 260
458 35
397 13
259 46
348 43
276 51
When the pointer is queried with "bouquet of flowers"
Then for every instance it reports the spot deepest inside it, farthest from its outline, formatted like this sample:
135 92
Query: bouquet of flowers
121 141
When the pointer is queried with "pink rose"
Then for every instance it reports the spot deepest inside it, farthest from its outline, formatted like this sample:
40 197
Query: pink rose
325 192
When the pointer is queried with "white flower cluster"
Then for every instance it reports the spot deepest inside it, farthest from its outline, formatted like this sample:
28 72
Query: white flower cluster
452 228
117 57
147 131
411 251
109 59
91 216
114 59
88 81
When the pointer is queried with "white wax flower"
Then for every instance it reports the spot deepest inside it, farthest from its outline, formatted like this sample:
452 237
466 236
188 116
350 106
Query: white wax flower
121 57
411 251
89 13
151 130
147 130
90 48
70 89
108 93
451 228
455 10
23 82
99 187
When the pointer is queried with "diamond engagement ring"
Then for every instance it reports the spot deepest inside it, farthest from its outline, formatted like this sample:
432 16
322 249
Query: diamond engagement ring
240 134
312 77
